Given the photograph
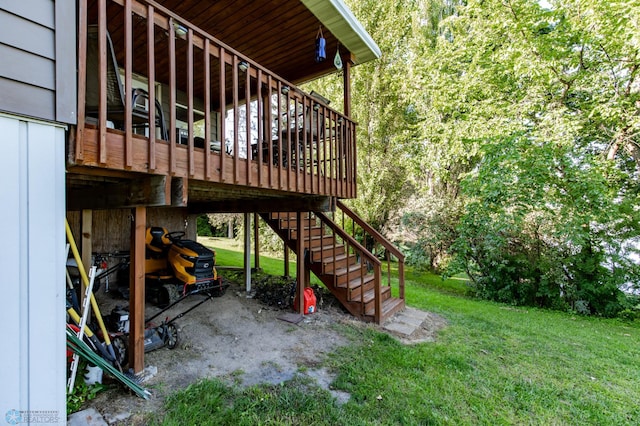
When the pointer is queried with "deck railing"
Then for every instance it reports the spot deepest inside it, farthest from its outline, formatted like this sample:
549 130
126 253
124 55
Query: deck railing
375 243
228 119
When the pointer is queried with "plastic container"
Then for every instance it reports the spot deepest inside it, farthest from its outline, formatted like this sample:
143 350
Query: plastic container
309 301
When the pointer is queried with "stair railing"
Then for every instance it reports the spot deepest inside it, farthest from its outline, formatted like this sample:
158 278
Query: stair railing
368 262
370 234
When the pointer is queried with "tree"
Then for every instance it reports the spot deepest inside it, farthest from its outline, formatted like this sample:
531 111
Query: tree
552 100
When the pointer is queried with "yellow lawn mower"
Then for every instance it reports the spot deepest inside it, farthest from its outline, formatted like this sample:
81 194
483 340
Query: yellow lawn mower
176 267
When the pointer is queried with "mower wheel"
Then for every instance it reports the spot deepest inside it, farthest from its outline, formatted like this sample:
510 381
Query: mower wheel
171 338
120 345
168 294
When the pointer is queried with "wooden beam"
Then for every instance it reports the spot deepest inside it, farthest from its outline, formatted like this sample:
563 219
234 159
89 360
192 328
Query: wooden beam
247 251
256 238
300 268
86 245
346 75
179 192
148 191
286 261
136 290
260 205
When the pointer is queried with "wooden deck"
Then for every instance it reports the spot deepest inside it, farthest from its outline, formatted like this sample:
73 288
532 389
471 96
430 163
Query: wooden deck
263 134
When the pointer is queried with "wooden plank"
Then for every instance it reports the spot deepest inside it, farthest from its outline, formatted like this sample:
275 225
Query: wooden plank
207 112
300 266
86 241
82 77
222 126
151 73
179 192
149 191
247 106
102 79
128 79
260 101
172 97
190 100
267 135
136 290
236 119
279 147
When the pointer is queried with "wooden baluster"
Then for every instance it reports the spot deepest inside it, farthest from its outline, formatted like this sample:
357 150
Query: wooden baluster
223 102
82 78
102 81
128 89
172 98
207 110
192 166
151 71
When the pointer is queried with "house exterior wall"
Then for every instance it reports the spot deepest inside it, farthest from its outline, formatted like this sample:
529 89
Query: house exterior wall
38 67
32 260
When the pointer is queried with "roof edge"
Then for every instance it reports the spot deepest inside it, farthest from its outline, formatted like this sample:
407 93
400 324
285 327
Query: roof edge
348 30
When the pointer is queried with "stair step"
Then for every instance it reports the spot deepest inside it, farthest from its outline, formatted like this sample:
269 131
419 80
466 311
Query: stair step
356 281
338 263
324 241
355 273
322 254
389 307
369 296
285 215
314 232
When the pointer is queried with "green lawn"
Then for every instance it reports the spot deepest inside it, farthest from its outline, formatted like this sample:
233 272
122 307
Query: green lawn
493 364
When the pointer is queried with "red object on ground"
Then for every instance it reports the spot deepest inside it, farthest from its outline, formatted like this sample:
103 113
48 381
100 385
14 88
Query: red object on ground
309 301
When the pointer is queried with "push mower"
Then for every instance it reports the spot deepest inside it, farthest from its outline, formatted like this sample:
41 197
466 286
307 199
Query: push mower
155 336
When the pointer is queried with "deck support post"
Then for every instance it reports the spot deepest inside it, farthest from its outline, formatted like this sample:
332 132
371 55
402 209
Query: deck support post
256 238
286 261
136 289
86 242
247 252
300 267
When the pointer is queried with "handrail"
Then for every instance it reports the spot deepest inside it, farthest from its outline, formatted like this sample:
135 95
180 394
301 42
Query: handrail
345 235
375 234
311 153
380 239
365 255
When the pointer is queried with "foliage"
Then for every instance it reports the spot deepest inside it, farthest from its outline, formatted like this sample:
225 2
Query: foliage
550 218
204 228
81 394
542 228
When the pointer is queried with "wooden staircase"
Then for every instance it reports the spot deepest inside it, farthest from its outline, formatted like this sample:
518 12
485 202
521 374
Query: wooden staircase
350 271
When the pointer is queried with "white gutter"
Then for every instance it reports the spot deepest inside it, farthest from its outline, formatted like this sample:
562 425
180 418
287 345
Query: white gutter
340 21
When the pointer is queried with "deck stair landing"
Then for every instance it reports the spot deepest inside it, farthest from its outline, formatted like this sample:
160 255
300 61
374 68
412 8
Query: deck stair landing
350 271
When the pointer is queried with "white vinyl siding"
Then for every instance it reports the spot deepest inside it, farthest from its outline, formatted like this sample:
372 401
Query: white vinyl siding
32 259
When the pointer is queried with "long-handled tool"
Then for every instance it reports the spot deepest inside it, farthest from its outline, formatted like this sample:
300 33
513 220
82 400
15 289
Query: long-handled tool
82 325
85 281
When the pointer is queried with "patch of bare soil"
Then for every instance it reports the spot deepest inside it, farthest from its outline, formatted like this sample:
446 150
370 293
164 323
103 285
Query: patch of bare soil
236 338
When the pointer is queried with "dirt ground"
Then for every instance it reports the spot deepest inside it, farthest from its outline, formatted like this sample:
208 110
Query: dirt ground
239 339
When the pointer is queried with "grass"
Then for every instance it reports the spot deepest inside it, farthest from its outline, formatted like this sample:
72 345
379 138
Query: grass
494 364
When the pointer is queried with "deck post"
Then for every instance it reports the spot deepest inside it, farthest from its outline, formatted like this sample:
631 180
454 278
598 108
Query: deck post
86 242
256 238
136 289
300 267
247 251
